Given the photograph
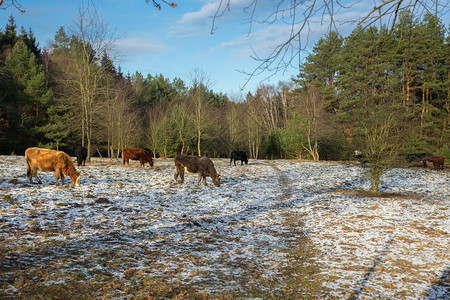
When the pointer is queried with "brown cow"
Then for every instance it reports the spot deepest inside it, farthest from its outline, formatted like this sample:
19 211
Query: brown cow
136 154
203 166
50 160
438 162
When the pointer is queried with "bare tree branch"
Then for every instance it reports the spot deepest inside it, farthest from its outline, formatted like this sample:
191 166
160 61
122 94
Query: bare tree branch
5 4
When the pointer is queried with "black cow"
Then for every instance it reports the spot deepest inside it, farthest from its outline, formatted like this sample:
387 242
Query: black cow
239 155
81 154
361 158
417 157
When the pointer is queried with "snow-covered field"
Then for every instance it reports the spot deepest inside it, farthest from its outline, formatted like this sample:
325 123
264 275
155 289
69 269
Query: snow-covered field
130 222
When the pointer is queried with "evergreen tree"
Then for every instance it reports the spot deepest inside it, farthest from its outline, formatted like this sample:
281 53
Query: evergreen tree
322 68
56 130
10 140
33 95
9 36
29 40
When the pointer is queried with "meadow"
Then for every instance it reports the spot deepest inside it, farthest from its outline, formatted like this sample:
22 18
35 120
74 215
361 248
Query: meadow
279 229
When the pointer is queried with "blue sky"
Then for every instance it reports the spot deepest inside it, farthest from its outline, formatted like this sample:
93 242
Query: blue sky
177 41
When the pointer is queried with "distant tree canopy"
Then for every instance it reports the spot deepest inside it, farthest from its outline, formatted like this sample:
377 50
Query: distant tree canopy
385 92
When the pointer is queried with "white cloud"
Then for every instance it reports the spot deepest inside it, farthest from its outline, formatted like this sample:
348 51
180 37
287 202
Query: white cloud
200 22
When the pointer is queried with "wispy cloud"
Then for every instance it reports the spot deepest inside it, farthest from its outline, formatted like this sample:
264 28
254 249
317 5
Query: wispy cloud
200 22
141 45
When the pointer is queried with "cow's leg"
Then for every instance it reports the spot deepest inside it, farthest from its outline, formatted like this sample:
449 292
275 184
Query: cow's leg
57 175
200 176
34 173
29 174
61 175
179 172
231 159
182 174
235 162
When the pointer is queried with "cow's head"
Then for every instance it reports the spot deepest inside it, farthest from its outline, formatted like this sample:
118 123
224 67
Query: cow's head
75 178
216 180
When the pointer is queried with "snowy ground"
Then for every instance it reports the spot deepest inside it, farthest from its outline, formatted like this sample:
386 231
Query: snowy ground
128 221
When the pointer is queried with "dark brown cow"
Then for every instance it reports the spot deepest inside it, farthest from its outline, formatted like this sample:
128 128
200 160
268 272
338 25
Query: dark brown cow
50 160
438 162
136 154
203 166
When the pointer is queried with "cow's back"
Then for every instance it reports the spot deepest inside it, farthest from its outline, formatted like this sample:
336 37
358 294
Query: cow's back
191 163
127 153
43 159
132 153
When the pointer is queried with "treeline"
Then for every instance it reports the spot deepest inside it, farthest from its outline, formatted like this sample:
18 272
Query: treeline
380 90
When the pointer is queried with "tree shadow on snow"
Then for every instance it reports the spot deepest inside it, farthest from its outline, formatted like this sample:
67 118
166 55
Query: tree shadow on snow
441 287
371 270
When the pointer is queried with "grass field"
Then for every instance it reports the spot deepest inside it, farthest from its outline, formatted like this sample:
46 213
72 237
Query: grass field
272 230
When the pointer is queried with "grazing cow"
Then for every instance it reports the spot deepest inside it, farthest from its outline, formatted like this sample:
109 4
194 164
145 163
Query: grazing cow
203 166
136 154
239 155
50 160
438 162
81 154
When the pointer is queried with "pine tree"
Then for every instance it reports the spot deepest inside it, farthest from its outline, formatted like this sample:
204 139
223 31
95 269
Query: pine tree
322 67
9 36
33 95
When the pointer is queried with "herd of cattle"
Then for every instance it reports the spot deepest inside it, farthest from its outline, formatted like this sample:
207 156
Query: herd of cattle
61 163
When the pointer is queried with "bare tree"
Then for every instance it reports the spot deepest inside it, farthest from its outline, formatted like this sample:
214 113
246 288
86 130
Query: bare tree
267 101
312 119
304 15
179 115
254 125
284 92
155 116
233 119
200 85
312 108
119 118
94 41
